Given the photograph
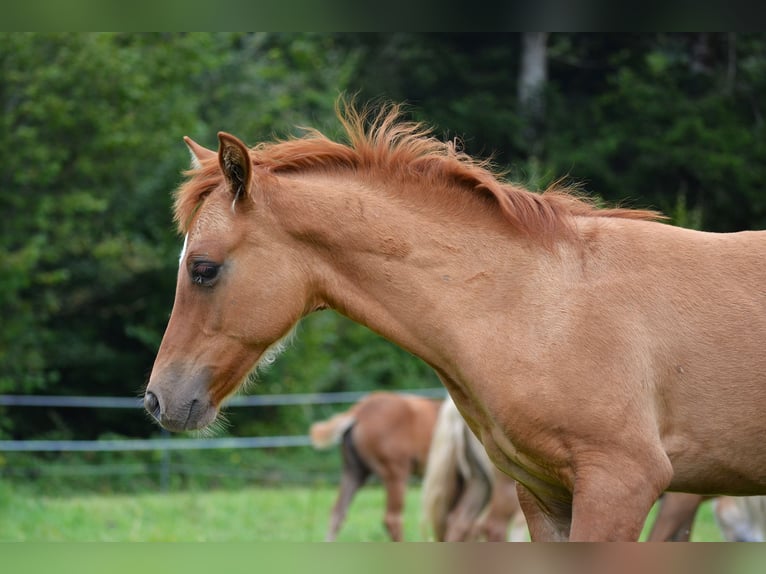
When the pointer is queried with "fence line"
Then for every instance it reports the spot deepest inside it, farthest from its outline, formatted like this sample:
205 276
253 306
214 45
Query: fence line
236 401
166 443
119 445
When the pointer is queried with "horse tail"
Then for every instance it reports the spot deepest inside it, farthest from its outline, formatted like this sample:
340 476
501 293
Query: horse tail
445 468
327 433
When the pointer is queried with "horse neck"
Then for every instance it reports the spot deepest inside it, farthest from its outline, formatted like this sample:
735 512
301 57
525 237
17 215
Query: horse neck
407 271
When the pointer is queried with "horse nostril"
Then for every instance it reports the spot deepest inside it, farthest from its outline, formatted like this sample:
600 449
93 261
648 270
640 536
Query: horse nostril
152 404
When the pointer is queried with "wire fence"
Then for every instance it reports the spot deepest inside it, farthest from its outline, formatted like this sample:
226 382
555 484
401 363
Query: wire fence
165 443
180 443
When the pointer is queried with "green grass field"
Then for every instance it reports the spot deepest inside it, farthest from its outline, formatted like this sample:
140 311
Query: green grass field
294 514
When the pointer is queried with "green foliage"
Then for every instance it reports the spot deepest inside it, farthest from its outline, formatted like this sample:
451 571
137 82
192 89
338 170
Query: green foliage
639 119
464 85
83 473
91 140
84 196
90 137
329 353
668 124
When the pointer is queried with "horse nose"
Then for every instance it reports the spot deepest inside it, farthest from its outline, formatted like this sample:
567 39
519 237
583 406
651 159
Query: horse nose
152 405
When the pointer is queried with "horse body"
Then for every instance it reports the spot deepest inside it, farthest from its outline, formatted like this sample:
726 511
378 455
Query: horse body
387 434
617 335
656 320
600 358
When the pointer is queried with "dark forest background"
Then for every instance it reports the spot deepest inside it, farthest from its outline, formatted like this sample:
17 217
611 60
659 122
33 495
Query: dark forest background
91 147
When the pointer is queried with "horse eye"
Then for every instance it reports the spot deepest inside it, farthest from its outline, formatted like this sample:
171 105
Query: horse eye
204 272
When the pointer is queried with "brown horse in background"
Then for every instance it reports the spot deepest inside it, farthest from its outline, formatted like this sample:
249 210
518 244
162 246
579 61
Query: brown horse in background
602 358
386 434
464 497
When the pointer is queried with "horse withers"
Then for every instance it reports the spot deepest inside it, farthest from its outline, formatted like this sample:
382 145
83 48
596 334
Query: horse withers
600 356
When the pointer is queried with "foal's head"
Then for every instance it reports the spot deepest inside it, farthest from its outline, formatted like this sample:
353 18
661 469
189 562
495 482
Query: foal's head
238 290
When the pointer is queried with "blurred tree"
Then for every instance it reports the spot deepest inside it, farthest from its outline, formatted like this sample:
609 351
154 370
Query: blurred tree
90 137
637 118
673 115
533 74
83 190
464 85
91 141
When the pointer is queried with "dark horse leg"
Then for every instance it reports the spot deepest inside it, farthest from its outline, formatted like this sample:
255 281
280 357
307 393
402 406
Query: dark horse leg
503 506
395 477
461 521
476 493
355 474
545 522
675 517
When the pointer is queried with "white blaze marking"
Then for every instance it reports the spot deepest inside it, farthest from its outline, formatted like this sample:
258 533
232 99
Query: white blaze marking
183 251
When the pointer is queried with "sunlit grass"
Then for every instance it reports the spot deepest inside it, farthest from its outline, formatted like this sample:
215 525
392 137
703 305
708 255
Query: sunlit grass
266 515
290 514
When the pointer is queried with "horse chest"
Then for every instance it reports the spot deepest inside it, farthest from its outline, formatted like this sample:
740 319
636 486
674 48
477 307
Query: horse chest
552 480
514 462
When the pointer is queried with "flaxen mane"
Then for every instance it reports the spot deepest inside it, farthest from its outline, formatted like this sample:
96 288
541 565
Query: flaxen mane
383 143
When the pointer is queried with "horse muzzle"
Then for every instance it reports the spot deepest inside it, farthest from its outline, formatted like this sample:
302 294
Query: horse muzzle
175 415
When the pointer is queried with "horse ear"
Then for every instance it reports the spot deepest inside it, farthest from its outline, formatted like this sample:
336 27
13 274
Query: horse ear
234 159
198 153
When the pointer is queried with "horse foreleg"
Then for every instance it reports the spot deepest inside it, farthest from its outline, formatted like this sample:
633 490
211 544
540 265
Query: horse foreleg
547 521
612 503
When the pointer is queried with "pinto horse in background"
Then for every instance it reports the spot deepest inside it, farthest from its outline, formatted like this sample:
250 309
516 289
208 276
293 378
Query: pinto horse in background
600 356
386 434
464 497
741 518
